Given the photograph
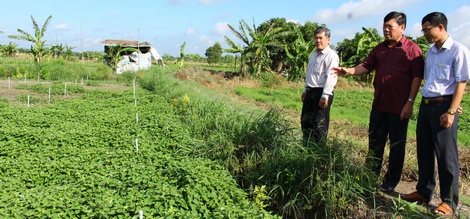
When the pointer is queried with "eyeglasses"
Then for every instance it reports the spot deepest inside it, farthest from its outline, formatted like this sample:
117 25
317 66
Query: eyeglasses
426 30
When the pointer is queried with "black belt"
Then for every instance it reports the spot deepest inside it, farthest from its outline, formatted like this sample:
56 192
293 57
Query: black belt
314 88
434 100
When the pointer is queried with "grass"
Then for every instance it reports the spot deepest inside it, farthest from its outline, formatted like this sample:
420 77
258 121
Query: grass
351 105
262 150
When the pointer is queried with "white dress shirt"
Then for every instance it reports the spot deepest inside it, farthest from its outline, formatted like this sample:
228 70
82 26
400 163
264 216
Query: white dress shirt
319 73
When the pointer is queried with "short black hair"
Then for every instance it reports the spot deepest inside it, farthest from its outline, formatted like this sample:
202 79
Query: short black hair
322 29
399 16
435 18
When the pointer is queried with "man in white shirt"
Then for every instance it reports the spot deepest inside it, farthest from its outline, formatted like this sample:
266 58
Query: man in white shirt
317 96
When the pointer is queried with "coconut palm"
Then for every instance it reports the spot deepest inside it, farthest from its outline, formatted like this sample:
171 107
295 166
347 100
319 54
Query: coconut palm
39 48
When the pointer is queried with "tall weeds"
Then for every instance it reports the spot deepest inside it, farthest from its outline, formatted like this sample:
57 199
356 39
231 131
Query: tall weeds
264 151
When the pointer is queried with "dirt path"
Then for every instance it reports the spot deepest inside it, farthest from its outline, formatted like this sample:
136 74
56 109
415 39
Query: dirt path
408 187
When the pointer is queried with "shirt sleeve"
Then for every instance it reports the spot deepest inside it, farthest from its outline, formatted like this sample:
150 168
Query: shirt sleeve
370 63
331 78
417 62
461 65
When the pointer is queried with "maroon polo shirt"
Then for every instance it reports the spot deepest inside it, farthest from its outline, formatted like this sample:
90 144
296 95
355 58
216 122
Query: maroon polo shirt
395 67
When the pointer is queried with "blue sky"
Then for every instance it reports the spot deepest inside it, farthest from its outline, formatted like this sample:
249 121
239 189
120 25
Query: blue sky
166 24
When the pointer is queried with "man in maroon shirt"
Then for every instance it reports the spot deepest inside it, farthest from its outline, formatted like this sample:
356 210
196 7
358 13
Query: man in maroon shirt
399 67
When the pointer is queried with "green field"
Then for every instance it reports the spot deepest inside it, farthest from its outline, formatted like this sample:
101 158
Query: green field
351 105
100 156
172 148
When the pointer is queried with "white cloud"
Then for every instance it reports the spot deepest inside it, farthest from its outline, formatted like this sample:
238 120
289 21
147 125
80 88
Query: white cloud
205 40
196 49
358 10
220 29
293 21
458 25
414 30
209 2
340 35
114 14
224 15
62 26
174 2
190 32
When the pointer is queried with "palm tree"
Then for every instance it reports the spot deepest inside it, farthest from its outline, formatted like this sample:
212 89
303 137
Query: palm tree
38 49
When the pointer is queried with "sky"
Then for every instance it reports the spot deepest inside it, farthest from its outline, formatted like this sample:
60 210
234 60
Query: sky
167 24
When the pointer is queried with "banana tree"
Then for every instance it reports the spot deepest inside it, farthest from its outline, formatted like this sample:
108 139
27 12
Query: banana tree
57 50
256 53
367 42
39 48
68 53
298 55
244 37
10 49
180 60
259 48
423 44
113 55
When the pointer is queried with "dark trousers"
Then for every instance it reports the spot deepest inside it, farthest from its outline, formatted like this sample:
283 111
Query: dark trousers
384 125
435 141
314 120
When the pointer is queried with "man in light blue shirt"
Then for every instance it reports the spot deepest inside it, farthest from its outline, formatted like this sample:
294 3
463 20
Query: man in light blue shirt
446 73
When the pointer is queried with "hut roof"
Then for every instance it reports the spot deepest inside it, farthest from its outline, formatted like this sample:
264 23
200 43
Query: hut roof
126 43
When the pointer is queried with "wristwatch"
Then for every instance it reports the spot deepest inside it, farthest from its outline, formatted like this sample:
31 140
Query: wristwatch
451 111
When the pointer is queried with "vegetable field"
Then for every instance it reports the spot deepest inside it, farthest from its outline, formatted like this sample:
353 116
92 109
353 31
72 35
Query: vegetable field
105 154
171 148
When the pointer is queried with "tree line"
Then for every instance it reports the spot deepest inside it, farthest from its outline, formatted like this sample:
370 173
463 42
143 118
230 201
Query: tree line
283 47
275 46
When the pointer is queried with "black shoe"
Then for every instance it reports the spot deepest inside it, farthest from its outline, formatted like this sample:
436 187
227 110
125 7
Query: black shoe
386 189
